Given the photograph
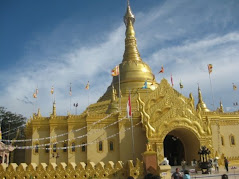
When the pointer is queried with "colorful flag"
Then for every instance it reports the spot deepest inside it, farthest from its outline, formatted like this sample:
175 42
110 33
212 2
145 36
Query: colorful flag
162 70
70 90
115 71
87 86
234 87
37 91
145 85
209 66
181 85
52 90
171 79
129 112
34 95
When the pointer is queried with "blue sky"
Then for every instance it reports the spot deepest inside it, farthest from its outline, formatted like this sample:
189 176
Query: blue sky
45 43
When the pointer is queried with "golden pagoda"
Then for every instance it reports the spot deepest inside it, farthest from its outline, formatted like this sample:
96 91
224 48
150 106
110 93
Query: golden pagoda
168 122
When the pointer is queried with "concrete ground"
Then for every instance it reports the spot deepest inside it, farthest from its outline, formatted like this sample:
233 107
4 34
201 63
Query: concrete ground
232 173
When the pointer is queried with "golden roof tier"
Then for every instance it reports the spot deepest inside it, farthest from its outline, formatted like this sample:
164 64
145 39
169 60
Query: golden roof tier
133 71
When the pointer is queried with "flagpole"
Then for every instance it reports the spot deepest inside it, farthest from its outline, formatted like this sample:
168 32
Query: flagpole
88 97
119 93
36 97
132 131
70 97
211 91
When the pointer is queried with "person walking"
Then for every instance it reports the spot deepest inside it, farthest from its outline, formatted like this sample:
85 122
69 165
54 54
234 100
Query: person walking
226 163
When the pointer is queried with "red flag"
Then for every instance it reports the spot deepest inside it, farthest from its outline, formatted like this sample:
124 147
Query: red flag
162 70
129 112
172 80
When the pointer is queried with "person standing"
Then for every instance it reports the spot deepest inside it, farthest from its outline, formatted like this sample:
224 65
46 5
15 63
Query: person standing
177 174
186 175
226 163
215 163
183 164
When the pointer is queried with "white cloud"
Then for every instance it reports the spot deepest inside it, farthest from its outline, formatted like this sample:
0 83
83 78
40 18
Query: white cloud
182 36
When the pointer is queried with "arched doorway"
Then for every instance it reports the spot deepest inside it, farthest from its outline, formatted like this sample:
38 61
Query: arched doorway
181 144
173 150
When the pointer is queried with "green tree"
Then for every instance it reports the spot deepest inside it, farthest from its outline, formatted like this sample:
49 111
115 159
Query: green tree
11 123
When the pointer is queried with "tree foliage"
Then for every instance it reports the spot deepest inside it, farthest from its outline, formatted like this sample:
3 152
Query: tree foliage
11 123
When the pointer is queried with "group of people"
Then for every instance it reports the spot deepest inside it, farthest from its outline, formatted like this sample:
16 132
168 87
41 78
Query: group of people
178 175
186 175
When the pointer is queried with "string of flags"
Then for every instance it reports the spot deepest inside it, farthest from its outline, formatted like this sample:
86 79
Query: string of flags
80 145
60 135
81 136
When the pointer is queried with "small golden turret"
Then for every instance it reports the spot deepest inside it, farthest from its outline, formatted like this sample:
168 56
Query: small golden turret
201 105
113 106
54 109
38 113
221 107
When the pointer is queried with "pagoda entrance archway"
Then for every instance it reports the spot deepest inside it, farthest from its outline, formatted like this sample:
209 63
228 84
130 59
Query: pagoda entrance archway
181 144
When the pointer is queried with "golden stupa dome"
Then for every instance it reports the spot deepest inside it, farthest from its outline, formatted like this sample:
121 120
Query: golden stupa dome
133 71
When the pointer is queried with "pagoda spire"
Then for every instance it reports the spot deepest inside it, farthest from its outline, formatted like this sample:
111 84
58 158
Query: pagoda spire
54 108
201 105
221 107
131 51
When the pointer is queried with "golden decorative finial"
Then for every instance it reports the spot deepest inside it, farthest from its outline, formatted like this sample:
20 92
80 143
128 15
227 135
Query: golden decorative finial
221 107
131 51
201 105
38 113
129 16
54 109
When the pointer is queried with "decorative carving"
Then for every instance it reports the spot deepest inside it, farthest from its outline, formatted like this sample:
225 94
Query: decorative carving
145 118
191 100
